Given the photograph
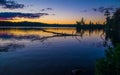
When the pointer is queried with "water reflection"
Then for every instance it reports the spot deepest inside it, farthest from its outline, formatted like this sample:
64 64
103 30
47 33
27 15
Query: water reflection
10 38
10 47
114 36
50 51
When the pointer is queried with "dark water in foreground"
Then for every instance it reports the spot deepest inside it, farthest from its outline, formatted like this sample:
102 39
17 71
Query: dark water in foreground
35 52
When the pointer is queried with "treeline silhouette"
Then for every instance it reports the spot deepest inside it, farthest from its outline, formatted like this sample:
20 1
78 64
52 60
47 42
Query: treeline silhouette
32 24
78 25
113 22
81 25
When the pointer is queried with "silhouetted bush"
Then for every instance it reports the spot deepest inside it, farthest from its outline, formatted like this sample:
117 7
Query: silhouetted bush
110 64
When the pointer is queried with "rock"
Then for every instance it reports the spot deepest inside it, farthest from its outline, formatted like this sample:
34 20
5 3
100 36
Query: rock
77 72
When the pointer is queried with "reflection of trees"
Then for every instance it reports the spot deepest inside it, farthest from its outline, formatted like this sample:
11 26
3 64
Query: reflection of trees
55 34
110 65
79 33
82 31
114 36
10 47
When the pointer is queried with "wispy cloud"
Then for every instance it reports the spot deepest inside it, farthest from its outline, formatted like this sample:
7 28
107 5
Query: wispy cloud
10 4
102 9
46 9
12 15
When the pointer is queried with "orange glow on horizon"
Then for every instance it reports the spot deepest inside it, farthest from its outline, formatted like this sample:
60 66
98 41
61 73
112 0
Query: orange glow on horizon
53 20
45 20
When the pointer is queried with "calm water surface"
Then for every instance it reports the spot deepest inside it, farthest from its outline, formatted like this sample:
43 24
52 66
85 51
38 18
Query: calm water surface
36 52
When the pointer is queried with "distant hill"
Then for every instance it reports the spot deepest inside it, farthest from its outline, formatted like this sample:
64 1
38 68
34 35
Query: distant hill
32 24
4 24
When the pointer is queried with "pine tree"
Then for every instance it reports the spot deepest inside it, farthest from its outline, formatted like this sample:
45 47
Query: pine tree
82 21
107 14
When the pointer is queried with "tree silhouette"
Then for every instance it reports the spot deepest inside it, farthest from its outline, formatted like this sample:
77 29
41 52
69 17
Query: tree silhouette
107 14
116 20
82 21
90 23
110 64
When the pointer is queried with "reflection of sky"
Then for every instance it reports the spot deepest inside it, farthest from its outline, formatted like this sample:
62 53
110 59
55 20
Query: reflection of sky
32 38
57 56
67 11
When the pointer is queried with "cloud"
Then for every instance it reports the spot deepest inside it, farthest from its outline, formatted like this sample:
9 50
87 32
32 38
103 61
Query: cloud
12 15
102 9
10 4
46 9
49 8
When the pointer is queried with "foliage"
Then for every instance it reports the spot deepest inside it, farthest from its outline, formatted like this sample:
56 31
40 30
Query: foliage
110 65
82 22
115 20
81 25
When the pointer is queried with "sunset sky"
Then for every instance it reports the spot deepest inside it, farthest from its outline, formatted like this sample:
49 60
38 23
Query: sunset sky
56 11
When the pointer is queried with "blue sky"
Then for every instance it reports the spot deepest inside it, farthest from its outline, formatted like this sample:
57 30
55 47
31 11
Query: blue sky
65 11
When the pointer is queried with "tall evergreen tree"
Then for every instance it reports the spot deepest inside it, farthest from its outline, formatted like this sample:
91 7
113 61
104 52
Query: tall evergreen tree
82 21
107 14
116 20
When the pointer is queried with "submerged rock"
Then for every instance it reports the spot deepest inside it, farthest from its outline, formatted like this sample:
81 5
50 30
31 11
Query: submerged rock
77 72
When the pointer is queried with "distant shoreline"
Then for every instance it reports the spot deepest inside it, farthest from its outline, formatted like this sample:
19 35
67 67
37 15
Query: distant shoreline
42 25
32 27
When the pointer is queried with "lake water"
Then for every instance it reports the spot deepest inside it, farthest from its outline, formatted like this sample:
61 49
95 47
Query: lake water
34 51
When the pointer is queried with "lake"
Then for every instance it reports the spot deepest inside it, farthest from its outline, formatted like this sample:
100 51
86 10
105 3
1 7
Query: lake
43 51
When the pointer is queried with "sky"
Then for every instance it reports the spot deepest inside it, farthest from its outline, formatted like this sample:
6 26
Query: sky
56 11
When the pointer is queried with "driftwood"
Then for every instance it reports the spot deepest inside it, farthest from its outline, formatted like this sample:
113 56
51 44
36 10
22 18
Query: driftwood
56 34
60 34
